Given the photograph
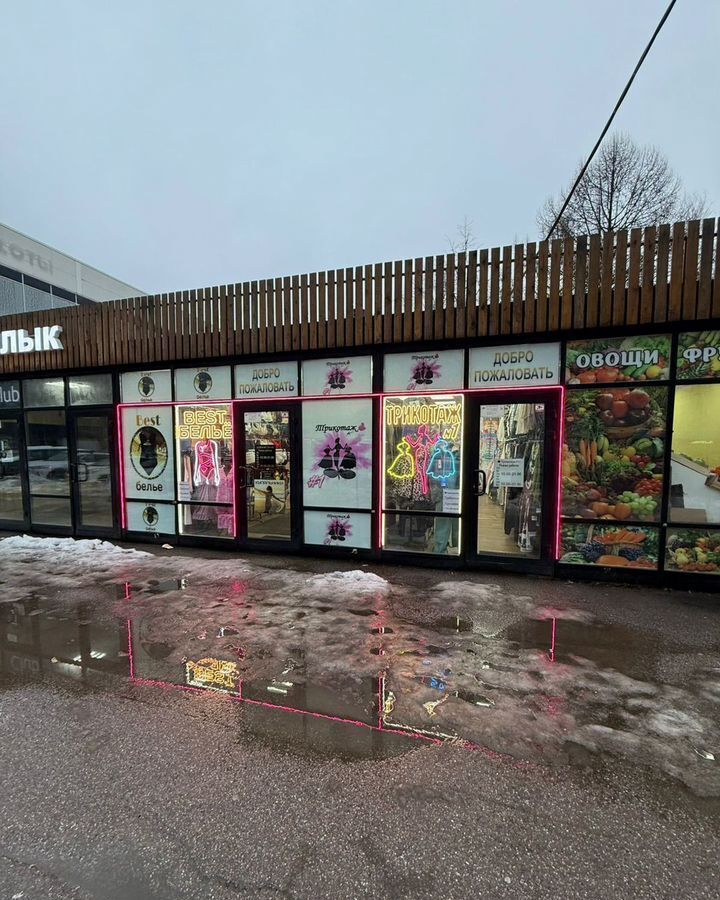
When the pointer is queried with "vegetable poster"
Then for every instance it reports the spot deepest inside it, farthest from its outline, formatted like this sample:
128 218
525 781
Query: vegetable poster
614 452
613 360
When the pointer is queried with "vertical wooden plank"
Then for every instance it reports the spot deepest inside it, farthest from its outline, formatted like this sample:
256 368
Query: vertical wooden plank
278 305
321 315
439 314
482 300
331 310
690 286
252 298
270 313
633 297
619 292
175 333
715 303
428 303
461 296
554 298
193 324
225 326
350 311
648 275
296 313
388 308
360 297
704 300
218 344
661 274
530 302
202 318
593 280
248 324
578 316
184 318
541 313
506 291
304 313
471 302
606 279
450 295
517 289
367 304
398 295
567 282
264 313
340 307
285 316
407 301
378 304
418 312
312 307
494 310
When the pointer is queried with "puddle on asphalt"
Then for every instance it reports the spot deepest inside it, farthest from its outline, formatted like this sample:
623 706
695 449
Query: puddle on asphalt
358 678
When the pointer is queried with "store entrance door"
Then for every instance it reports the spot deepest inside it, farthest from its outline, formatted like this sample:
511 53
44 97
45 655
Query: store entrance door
91 470
514 442
267 475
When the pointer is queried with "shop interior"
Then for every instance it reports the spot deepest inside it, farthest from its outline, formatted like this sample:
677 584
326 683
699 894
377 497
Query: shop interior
695 482
511 443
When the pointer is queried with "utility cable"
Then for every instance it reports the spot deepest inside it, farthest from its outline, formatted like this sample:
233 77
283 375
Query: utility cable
612 116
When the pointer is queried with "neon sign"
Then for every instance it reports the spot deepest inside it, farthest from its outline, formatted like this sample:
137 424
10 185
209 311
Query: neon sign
442 463
203 423
214 674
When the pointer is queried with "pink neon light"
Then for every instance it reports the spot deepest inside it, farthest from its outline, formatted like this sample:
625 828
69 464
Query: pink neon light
121 456
552 640
558 498
130 649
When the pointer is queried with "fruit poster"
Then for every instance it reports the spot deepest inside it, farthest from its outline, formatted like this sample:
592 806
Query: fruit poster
609 545
614 453
613 360
698 355
692 550
337 454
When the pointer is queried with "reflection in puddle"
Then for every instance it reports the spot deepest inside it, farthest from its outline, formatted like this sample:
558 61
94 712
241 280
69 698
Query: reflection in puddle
360 677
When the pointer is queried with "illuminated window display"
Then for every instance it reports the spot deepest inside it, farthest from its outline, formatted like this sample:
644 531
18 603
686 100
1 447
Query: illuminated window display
421 496
205 474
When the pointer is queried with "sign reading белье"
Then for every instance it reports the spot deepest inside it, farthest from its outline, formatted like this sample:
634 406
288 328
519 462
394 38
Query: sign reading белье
44 337
514 366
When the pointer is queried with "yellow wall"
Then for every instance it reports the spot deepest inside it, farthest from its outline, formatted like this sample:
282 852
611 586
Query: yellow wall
696 430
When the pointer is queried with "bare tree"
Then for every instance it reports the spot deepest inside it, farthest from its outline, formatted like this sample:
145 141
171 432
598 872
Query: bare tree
464 237
625 186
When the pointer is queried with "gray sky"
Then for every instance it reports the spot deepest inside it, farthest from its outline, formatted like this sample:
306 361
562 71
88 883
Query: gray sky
176 144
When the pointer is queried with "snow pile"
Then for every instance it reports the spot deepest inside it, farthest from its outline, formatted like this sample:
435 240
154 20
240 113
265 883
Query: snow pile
64 551
347 584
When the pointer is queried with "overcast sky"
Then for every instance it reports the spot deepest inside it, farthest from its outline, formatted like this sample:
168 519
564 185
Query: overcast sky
176 144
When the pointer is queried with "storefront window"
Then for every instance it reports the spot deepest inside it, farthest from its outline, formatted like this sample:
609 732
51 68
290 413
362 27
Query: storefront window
86 390
267 466
608 545
48 468
614 453
44 392
695 474
422 473
205 478
11 499
693 550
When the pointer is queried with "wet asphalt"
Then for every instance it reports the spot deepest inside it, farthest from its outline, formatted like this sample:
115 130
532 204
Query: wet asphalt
118 791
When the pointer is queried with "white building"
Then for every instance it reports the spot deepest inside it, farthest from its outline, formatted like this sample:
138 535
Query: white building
35 276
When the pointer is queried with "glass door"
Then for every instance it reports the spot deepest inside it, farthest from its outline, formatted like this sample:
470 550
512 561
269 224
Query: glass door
91 471
266 475
12 488
514 480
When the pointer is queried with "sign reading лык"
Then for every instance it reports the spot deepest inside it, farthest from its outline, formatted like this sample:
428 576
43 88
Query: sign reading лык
44 337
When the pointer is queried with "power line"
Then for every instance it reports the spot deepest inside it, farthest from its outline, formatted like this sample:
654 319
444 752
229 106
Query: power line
612 115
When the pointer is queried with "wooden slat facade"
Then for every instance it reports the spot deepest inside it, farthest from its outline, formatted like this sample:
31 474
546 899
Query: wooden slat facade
638 279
